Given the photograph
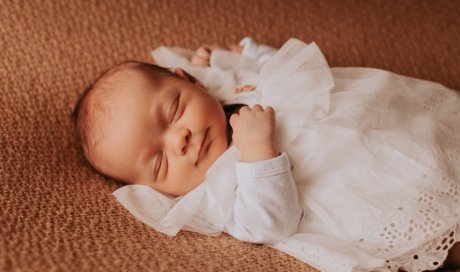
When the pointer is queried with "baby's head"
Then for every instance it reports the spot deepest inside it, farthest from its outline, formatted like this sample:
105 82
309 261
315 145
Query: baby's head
140 123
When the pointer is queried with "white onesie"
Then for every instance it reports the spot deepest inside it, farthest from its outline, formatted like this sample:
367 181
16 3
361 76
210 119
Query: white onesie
375 158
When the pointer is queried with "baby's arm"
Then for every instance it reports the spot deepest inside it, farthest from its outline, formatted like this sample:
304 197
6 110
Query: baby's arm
266 208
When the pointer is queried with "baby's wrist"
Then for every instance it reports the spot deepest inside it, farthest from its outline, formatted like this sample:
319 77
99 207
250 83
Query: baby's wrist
258 154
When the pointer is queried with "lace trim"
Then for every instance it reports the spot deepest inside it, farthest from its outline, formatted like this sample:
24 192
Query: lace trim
428 256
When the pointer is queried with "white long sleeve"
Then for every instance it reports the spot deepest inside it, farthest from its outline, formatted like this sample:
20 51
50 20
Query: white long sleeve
266 208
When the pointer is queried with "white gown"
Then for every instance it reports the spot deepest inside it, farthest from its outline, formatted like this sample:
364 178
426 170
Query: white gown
376 160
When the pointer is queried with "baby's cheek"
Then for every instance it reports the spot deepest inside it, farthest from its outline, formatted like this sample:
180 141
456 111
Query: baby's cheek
185 176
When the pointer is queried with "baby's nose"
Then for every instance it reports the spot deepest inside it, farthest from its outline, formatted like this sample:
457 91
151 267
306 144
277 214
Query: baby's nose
180 140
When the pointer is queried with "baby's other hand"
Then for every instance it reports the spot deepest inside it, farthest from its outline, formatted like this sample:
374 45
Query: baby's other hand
254 133
203 53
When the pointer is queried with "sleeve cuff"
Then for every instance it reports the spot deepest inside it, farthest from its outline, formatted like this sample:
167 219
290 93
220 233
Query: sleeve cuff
266 168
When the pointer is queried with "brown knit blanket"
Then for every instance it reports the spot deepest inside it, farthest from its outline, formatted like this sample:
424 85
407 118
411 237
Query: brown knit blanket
56 214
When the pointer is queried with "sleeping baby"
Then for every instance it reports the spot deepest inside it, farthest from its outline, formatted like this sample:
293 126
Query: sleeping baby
347 169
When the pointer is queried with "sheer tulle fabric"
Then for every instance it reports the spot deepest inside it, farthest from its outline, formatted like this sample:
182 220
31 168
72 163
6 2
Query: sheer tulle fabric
376 160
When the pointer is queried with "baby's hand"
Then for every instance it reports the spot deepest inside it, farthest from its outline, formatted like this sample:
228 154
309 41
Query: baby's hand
254 133
203 53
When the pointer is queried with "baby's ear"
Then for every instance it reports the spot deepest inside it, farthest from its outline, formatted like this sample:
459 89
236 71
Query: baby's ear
184 75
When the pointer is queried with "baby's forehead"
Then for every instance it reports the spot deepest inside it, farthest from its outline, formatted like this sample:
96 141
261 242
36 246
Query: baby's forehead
117 83
106 96
120 76
129 83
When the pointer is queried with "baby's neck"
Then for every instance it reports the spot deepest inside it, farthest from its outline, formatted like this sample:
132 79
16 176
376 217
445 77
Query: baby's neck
229 110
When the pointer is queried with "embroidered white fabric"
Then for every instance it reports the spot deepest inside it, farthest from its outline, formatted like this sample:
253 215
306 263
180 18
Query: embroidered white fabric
375 155
428 256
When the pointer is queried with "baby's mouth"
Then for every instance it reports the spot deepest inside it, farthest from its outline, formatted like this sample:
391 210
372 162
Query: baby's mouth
203 146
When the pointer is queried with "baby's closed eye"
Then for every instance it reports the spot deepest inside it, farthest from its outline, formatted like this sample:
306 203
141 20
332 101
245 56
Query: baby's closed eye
158 163
173 109
161 166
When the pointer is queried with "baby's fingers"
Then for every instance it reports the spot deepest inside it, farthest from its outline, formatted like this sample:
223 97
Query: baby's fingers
197 61
235 48
233 120
269 110
244 109
201 57
203 52
259 108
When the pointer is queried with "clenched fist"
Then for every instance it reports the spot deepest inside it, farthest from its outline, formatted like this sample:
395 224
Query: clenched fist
254 133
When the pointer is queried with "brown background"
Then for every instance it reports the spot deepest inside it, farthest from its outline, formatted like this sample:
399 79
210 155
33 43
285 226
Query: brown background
56 214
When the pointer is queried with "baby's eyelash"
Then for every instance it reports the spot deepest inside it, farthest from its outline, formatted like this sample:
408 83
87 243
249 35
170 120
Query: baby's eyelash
174 108
166 164
157 168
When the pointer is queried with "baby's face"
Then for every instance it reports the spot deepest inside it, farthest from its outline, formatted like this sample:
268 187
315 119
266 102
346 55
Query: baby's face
164 133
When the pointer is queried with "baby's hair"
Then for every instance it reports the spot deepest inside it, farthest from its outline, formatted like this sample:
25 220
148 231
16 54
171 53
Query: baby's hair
92 106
